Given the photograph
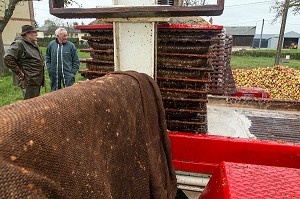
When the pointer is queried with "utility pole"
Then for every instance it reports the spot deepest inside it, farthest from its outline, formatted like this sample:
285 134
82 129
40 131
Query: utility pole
281 34
262 29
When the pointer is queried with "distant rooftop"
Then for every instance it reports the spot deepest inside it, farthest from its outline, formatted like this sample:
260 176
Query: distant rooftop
240 30
290 34
265 36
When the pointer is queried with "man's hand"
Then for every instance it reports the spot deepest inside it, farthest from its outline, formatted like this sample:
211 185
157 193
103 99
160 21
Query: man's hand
11 63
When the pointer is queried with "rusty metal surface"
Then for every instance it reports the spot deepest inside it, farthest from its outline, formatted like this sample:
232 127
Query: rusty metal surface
183 69
183 61
184 86
185 58
273 125
100 46
183 64
95 61
256 103
57 9
222 79
279 129
183 126
98 65
183 83
102 56
220 45
101 51
183 72
93 50
192 48
100 37
92 74
187 35
180 103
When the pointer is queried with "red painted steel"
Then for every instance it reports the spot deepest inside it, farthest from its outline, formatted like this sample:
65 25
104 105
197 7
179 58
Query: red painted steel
252 92
203 153
236 181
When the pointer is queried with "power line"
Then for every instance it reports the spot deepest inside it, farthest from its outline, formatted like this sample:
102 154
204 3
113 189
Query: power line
246 22
246 4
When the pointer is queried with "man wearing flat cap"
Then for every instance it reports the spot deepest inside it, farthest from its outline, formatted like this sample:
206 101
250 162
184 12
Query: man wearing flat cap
24 58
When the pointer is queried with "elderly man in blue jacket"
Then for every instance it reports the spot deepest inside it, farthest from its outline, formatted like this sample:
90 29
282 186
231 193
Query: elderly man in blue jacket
62 61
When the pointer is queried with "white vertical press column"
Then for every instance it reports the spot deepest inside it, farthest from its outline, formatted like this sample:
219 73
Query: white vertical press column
134 41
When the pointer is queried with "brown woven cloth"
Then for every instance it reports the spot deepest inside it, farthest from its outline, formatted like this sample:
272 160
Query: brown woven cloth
104 138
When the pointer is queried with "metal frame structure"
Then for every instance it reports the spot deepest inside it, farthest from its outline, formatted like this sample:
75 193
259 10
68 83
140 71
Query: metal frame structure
120 11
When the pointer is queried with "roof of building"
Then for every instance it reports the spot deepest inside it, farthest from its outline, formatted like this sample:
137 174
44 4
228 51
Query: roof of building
290 34
240 30
265 36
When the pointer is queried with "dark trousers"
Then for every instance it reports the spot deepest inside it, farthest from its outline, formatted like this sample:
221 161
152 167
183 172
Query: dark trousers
31 92
56 84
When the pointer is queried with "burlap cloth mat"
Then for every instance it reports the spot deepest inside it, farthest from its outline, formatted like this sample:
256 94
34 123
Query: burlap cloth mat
104 138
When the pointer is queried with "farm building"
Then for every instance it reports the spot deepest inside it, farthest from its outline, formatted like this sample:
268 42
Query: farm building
23 14
241 35
291 40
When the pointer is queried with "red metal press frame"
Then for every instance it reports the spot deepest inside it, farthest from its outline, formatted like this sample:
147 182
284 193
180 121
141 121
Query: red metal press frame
203 153
236 181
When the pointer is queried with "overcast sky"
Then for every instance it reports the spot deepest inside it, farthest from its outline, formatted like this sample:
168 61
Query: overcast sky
236 13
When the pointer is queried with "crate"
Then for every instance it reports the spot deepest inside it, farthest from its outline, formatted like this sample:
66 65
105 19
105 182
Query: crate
253 92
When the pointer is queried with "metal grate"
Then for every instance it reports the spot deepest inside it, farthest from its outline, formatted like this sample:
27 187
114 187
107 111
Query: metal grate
222 81
279 129
183 65
185 54
101 51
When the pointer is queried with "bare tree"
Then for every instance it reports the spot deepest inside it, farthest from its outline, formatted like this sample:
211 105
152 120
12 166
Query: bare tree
8 12
281 9
52 25
279 6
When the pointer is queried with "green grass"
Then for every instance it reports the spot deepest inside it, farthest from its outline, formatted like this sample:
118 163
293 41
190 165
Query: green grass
255 62
274 51
10 94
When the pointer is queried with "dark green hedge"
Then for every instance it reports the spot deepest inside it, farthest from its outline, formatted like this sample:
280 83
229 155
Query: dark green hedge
253 53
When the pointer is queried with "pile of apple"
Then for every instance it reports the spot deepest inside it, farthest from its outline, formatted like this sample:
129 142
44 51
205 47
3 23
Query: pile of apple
281 82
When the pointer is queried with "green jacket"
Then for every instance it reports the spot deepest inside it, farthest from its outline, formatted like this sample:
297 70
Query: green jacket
28 59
